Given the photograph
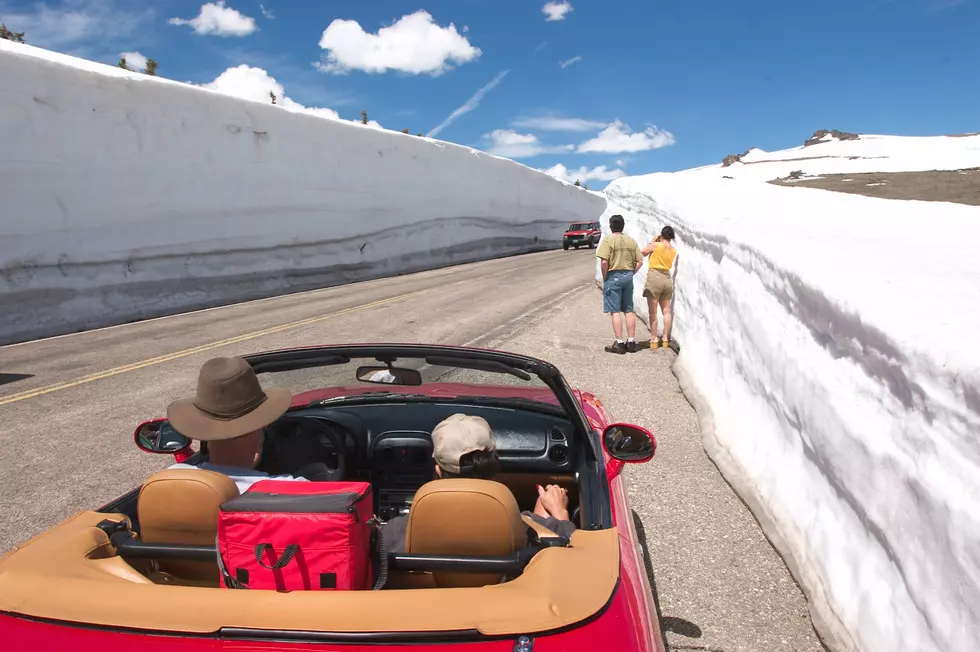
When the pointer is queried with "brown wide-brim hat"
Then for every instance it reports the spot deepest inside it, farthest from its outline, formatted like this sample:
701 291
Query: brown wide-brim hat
229 403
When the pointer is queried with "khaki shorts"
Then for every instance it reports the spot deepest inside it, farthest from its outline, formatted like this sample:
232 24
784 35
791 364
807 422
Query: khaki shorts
658 287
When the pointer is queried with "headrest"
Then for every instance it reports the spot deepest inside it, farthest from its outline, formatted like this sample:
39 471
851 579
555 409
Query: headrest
181 505
465 516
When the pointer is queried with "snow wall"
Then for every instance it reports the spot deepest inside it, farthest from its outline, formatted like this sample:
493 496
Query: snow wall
838 390
128 197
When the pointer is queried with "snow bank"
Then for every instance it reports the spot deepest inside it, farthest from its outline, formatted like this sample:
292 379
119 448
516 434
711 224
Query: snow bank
829 343
127 196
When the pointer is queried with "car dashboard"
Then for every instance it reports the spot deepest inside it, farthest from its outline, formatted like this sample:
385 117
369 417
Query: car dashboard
390 445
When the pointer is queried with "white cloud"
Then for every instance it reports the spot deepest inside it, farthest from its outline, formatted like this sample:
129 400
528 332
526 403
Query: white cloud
134 60
556 10
553 123
568 62
470 104
617 138
248 83
266 12
85 28
215 18
505 142
541 46
414 44
255 84
583 174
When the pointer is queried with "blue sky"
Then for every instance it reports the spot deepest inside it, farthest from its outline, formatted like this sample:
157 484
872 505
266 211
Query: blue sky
646 86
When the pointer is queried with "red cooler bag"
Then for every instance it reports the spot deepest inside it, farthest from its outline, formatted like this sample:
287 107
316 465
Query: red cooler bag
289 536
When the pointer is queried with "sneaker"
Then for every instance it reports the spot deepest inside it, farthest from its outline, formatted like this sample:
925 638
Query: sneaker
631 346
617 347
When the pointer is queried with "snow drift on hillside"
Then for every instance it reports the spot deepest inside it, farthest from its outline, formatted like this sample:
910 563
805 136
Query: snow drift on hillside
128 196
830 348
870 153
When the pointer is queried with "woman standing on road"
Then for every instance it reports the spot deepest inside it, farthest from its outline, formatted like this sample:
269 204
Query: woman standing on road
659 288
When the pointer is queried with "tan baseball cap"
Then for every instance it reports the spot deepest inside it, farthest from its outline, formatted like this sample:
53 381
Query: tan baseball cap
458 435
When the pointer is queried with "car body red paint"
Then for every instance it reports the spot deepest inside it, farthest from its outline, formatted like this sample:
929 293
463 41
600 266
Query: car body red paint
628 623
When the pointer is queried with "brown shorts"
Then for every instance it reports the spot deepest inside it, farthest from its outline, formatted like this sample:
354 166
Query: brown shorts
659 286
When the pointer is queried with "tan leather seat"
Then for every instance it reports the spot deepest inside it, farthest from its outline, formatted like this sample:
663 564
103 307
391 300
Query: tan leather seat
181 506
463 516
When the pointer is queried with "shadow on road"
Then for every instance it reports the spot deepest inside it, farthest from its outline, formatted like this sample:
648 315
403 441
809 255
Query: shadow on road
667 623
6 379
681 626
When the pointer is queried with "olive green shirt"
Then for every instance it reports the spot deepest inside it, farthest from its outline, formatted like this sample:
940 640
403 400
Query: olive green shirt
622 252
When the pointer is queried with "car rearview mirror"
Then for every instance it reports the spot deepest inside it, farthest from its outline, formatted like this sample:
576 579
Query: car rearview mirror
389 375
160 437
629 443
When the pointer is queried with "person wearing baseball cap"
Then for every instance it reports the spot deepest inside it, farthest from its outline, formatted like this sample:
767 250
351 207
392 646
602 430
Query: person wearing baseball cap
230 411
463 447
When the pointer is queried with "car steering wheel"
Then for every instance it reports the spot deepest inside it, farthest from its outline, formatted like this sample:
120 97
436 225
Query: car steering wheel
293 445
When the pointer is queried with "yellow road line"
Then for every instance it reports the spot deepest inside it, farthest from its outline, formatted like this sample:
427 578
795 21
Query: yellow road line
13 398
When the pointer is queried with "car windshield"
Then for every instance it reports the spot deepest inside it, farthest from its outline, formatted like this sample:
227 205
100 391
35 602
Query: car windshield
444 376
579 227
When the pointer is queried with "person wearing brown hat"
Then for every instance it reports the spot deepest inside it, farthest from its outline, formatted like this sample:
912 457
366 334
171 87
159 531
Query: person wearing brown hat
463 446
230 411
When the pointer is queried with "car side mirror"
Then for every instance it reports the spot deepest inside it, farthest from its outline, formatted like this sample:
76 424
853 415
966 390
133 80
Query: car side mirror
627 444
389 375
158 436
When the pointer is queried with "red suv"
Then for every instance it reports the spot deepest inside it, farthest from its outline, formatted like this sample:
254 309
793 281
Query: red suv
581 234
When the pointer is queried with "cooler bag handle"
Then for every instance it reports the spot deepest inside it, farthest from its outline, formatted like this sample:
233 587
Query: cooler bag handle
382 553
287 555
230 582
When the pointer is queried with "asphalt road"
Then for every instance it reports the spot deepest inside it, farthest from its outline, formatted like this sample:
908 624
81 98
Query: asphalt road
68 407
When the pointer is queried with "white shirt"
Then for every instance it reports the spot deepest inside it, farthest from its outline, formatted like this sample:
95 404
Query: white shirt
244 478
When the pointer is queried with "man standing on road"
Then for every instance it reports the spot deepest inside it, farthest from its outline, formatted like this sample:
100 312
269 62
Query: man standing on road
621 258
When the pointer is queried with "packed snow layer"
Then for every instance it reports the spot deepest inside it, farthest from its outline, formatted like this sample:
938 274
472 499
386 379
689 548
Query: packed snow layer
127 196
829 343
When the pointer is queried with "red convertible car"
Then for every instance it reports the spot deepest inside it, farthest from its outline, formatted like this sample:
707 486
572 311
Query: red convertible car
142 572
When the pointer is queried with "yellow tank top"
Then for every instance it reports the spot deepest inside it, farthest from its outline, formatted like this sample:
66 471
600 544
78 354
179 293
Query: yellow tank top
662 256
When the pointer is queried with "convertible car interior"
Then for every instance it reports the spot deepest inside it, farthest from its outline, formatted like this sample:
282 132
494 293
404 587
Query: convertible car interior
473 560
170 529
